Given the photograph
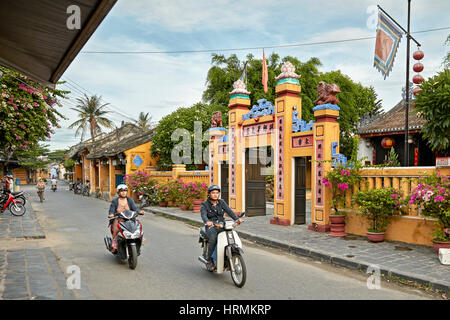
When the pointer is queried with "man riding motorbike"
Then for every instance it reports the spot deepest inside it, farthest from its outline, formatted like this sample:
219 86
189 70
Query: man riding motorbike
40 187
212 211
120 204
54 183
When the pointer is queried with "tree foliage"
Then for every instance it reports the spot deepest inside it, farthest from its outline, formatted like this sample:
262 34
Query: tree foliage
182 118
27 112
92 116
433 104
35 157
355 100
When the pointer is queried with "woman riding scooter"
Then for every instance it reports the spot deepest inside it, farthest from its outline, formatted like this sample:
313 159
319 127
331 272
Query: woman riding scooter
120 204
212 211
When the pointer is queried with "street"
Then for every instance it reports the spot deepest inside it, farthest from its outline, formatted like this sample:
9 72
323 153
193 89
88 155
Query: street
168 267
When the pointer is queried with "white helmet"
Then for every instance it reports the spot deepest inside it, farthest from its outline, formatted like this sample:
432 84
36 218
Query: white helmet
122 187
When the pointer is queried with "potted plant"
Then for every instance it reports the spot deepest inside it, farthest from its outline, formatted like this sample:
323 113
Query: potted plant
341 178
433 195
198 194
162 192
378 205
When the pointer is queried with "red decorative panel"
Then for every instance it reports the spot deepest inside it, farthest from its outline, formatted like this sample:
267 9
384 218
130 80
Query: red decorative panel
258 129
280 154
232 144
319 173
300 142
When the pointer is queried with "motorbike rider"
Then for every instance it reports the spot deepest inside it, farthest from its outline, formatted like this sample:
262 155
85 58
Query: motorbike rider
40 187
212 211
53 182
120 204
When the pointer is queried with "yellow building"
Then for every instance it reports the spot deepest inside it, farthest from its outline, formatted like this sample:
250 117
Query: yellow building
106 161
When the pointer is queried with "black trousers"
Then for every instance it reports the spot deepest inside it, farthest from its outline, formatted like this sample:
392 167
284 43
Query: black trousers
211 233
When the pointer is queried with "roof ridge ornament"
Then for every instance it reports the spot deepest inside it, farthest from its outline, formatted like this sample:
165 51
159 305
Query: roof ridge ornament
287 71
239 87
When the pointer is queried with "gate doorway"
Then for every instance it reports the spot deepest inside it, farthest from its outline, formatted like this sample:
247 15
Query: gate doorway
300 190
255 184
224 182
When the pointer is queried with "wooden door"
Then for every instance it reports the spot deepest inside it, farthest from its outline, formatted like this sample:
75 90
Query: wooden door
255 185
224 182
300 190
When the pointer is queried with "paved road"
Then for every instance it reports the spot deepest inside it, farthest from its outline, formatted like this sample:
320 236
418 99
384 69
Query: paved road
168 267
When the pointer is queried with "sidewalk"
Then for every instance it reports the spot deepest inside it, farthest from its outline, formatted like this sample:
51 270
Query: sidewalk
410 263
31 273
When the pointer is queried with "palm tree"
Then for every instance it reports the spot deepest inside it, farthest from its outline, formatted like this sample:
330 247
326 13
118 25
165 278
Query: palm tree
144 120
92 116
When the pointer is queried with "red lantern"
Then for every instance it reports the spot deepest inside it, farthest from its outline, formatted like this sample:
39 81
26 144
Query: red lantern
387 143
418 55
418 67
417 79
417 90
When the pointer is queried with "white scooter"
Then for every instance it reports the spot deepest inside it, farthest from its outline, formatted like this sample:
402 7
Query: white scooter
228 252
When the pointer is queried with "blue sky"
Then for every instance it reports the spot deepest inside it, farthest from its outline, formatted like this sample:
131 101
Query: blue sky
160 83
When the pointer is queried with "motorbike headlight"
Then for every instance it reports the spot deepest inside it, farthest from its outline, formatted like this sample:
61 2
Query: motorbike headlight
127 234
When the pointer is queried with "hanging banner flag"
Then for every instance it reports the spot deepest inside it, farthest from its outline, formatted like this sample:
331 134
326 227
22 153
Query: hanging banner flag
243 76
264 73
388 39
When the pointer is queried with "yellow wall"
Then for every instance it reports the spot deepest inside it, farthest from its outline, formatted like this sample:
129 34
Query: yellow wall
144 152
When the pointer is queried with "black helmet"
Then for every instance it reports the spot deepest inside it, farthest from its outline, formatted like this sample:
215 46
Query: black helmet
213 187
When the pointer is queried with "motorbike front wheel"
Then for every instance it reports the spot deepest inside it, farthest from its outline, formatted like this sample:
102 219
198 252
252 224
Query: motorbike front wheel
132 257
239 275
17 209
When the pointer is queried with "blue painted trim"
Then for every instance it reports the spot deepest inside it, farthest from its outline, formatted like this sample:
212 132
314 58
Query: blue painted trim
243 96
327 106
218 128
288 80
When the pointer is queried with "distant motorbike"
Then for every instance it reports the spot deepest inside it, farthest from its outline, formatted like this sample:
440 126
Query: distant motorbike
71 185
86 190
129 239
228 252
77 188
54 187
15 206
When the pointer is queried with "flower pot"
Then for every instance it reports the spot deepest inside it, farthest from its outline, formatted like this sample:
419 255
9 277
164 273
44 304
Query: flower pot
440 244
163 204
183 207
375 236
337 226
197 203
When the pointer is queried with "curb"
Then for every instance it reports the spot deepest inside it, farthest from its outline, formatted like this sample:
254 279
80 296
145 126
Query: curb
322 256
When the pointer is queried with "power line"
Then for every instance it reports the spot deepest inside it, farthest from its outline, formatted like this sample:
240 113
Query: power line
118 110
251 48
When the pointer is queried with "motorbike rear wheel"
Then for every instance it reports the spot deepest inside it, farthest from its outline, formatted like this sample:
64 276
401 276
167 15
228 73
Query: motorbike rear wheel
41 195
239 276
17 209
132 257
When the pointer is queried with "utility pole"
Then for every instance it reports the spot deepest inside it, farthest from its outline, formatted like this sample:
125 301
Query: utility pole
407 98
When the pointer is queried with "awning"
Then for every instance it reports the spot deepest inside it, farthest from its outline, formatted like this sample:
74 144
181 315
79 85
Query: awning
35 39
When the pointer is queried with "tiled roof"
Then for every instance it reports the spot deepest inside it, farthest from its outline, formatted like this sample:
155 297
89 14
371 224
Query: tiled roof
394 120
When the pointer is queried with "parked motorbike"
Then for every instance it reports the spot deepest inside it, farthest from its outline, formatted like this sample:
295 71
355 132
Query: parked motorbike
86 190
147 197
77 189
15 206
228 252
71 185
129 239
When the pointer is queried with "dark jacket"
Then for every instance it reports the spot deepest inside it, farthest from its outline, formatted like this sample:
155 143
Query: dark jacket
115 204
209 213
